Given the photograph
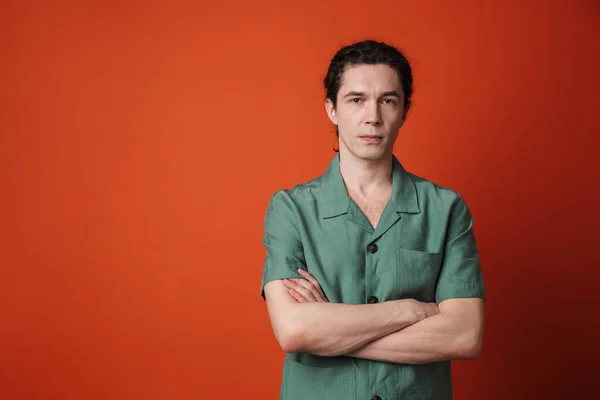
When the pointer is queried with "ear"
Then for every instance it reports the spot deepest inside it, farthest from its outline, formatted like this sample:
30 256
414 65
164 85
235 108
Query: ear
331 112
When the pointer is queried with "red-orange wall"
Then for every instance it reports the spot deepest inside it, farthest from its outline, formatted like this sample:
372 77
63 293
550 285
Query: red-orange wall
140 142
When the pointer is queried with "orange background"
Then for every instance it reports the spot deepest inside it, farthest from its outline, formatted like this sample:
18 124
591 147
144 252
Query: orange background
140 144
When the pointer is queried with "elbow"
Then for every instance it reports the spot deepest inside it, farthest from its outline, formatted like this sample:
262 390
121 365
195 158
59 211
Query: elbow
472 352
290 344
290 339
471 346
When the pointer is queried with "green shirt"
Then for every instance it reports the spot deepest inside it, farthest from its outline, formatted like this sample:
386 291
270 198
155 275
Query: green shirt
423 247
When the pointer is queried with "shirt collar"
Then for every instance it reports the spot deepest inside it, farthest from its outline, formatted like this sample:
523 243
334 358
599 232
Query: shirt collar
335 200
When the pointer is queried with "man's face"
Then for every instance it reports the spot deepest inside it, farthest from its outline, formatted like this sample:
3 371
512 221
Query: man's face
369 112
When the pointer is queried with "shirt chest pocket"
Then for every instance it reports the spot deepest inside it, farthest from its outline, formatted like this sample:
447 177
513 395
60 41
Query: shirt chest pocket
417 273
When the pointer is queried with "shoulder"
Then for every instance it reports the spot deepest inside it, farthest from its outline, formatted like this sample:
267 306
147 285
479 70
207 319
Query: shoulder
432 194
289 205
299 195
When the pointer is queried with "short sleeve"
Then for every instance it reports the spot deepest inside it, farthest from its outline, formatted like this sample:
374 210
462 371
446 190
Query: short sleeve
281 238
460 275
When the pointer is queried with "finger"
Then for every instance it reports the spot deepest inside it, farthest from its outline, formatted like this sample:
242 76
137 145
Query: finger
297 296
298 286
306 289
315 290
312 280
316 296
292 283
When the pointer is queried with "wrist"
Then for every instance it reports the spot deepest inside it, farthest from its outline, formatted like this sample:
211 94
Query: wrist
409 311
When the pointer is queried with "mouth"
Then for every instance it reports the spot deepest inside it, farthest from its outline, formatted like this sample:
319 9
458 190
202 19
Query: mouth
371 138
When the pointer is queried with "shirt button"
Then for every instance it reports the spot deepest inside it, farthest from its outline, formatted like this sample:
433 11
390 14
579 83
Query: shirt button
375 398
372 300
372 248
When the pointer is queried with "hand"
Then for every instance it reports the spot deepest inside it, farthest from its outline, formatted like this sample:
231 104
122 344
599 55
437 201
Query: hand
423 310
305 290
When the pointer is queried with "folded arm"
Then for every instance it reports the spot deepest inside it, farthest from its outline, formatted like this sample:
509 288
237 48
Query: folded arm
404 331
331 329
455 333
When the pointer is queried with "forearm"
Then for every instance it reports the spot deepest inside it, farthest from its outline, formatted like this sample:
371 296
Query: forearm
331 329
437 338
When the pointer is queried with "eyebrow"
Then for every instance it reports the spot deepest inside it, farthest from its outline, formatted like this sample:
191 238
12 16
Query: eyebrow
392 93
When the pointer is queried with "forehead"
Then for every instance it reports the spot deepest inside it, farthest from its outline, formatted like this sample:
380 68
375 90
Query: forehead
370 77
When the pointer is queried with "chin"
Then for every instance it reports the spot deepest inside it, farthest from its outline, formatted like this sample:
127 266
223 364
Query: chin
373 154
365 152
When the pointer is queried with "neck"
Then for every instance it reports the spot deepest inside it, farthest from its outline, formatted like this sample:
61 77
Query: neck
366 176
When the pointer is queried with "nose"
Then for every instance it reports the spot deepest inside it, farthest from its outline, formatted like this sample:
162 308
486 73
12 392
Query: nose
373 114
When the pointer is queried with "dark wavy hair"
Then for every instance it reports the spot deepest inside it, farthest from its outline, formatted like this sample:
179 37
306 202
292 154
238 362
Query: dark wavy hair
368 52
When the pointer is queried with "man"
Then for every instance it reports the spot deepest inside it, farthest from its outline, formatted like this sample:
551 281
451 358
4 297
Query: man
372 277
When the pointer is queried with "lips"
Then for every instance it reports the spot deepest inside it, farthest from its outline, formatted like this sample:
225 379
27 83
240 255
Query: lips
371 138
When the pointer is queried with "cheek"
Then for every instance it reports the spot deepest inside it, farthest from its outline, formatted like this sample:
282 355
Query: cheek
394 117
349 116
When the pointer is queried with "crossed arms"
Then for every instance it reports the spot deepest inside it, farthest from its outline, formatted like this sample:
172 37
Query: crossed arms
399 331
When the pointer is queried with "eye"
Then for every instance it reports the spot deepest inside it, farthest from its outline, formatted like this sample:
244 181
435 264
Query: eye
355 100
389 101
